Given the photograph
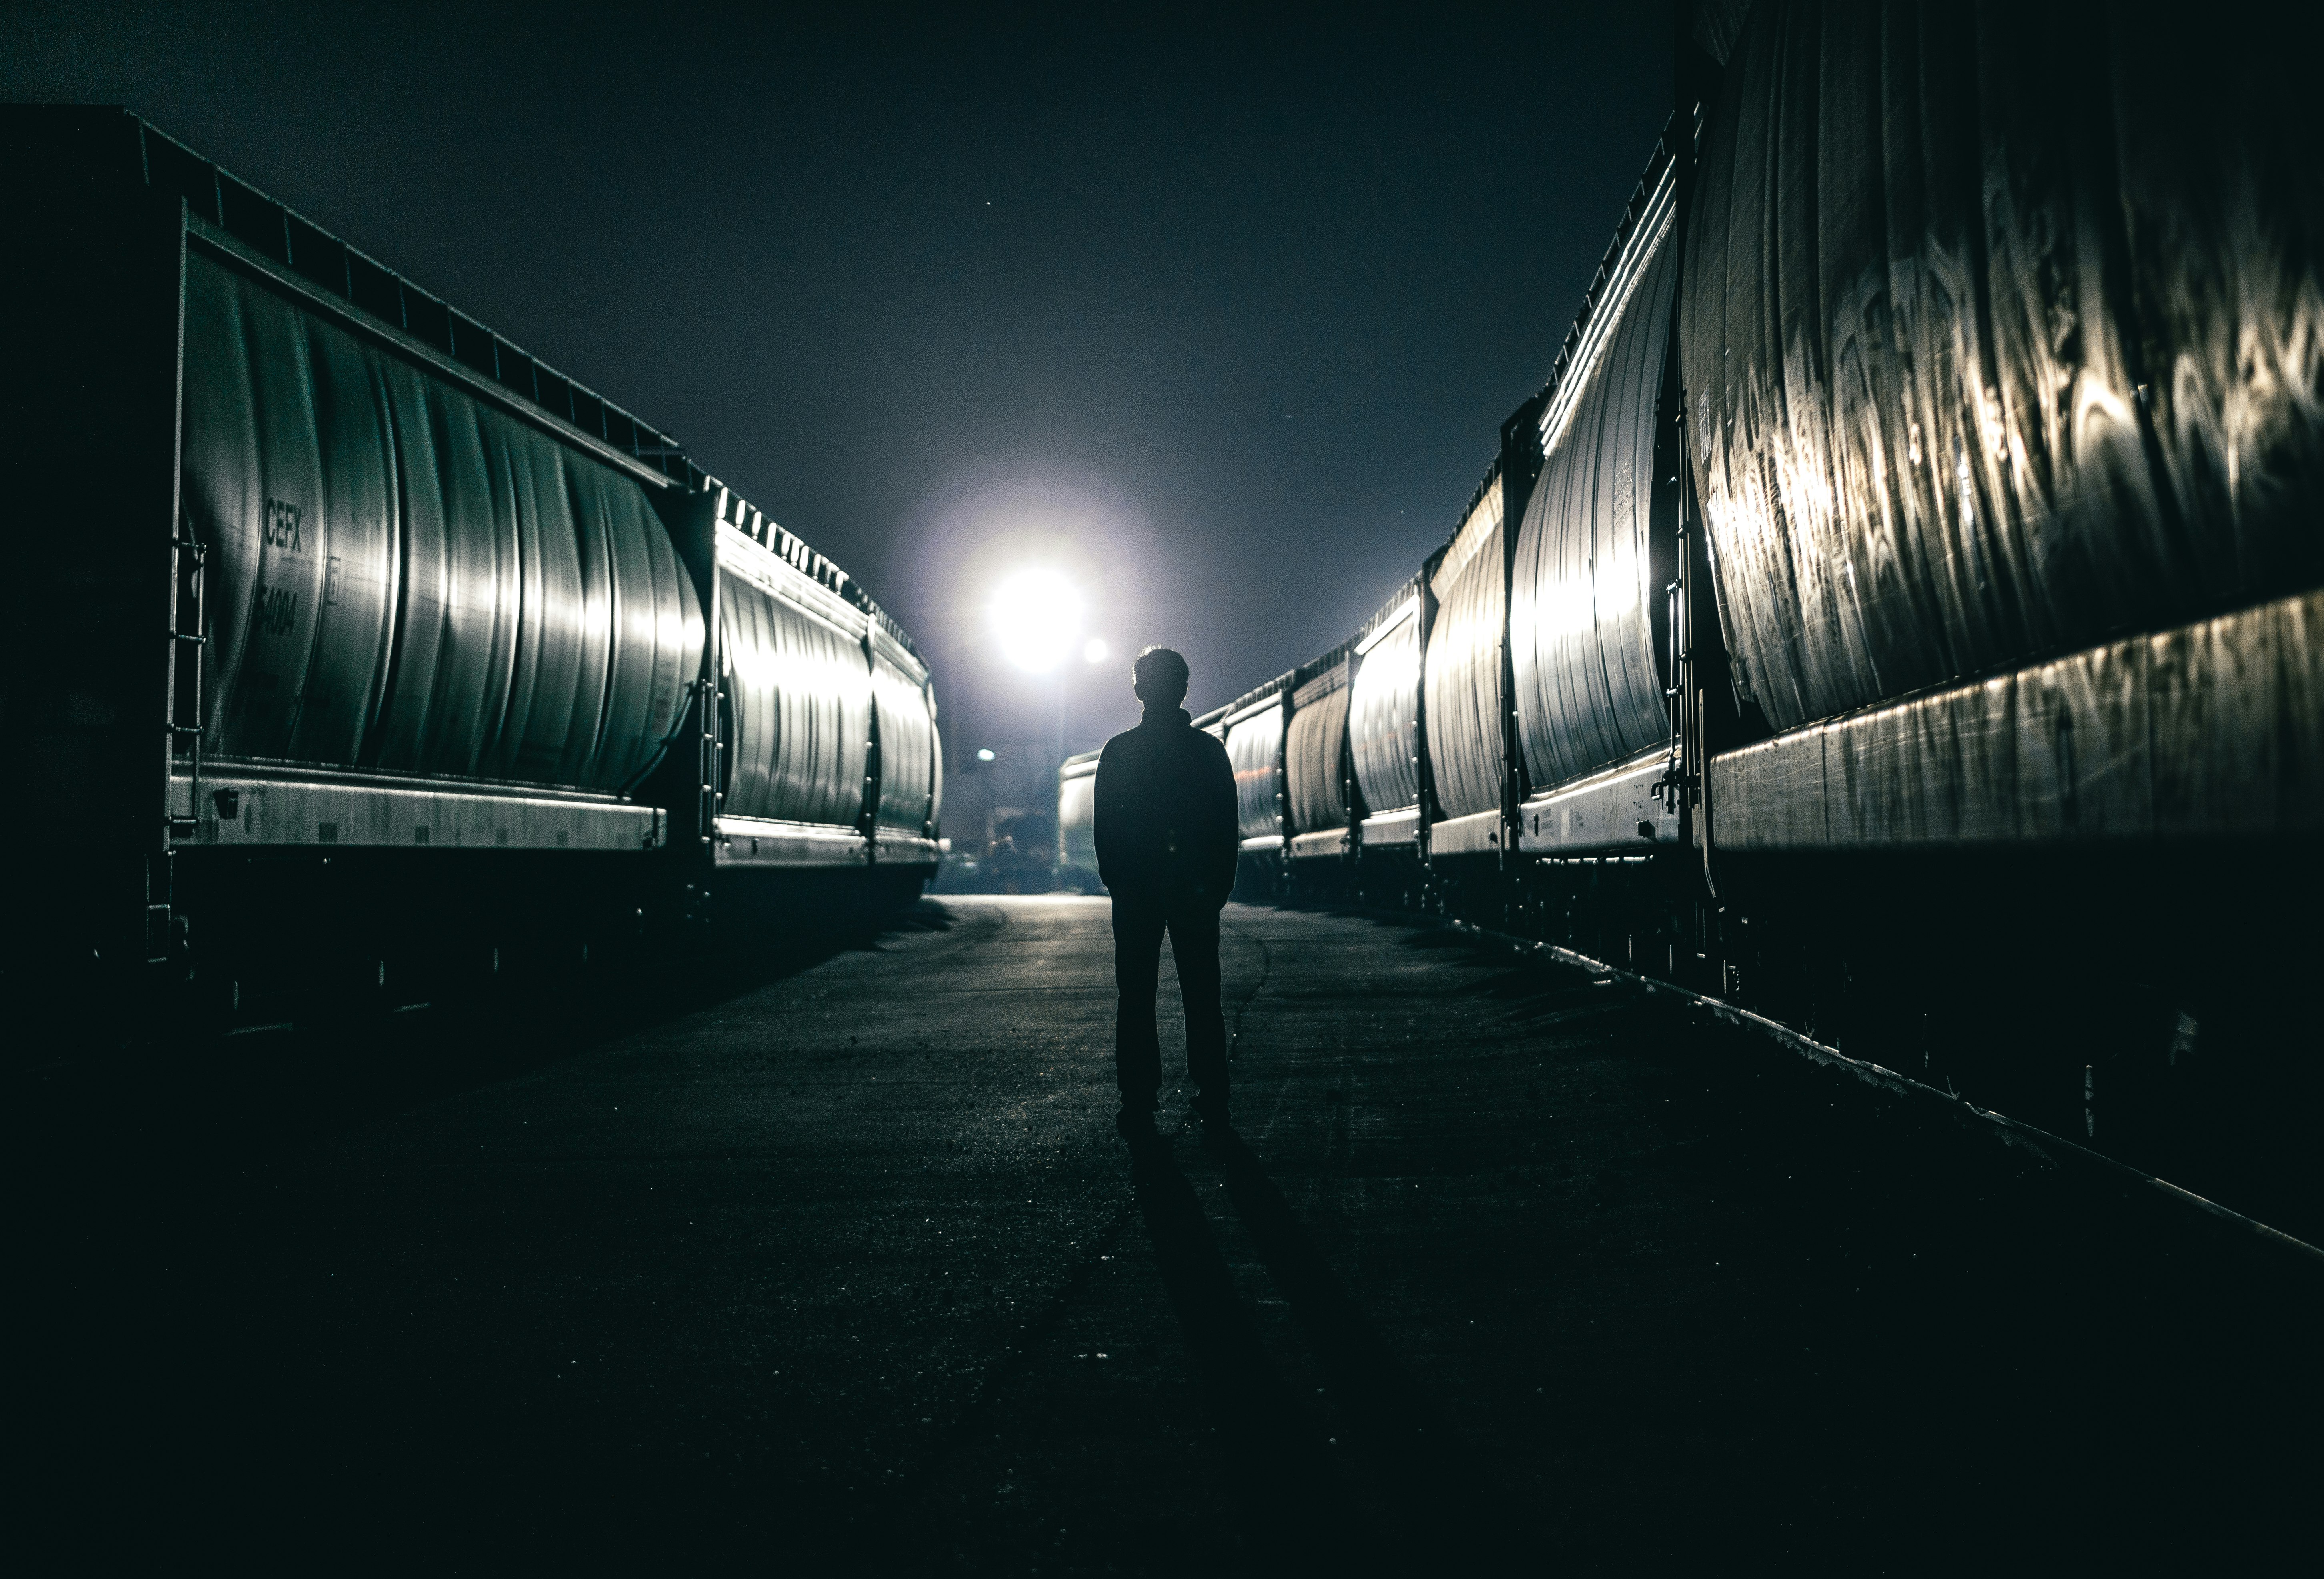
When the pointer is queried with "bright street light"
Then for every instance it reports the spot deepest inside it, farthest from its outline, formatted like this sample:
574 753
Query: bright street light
1037 614
1094 652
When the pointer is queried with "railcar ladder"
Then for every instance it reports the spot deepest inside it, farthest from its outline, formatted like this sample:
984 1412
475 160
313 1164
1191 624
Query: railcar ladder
183 720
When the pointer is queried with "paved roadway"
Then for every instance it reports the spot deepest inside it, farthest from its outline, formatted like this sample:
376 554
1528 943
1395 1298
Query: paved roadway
847 1271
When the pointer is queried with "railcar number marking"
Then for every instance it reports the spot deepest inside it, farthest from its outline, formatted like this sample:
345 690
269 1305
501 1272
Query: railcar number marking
277 611
282 528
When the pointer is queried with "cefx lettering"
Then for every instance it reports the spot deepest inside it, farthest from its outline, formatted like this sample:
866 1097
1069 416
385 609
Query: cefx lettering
282 528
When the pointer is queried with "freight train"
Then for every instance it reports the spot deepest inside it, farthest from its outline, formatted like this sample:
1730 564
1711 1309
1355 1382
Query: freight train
1899 611
354 649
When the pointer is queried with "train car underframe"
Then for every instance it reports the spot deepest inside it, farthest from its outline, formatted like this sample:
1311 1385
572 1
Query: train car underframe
2153 1008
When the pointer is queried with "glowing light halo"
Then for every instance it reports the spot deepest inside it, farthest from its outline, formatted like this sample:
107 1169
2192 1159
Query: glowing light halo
1035 614
1095 651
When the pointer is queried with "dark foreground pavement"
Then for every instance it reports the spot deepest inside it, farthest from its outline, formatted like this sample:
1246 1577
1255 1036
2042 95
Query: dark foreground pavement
849 1272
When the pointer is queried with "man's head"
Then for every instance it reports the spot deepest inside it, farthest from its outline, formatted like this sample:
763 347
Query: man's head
1161 678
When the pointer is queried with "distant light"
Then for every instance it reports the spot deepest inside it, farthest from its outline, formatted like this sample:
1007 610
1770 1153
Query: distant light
1037 614
1095 651
984 753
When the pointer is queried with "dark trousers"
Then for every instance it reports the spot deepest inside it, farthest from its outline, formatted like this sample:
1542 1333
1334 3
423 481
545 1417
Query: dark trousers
1193 924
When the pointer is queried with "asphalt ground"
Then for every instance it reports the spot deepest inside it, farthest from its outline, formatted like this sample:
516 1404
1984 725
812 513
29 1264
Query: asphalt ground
838 1266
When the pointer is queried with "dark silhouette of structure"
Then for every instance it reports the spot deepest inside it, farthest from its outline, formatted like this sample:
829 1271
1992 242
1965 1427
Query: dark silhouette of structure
1165 829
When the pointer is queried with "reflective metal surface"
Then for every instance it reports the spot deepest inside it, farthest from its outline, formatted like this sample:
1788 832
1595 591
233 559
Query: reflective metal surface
2002 336
2210 730
406 580
1315 756
797 689
1384 705
286 808
907 737
1621 809
1255 749
1463 680
1077 812
760 841
1588 618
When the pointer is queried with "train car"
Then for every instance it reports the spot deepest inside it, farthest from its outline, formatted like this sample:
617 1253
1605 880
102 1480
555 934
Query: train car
1077 823
1323 806
1901 612
1386 745
366 648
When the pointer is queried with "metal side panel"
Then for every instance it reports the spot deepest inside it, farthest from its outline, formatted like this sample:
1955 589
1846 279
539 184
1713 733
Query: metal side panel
1077 816
1939 769
1464 667
904 850
2214 692
1392 827
1770 796
1589 615
1384 712
2083 750
1316 753
1327 842
1255 748
799 689
1603 812
750 841
279 813
2298 637
1476 834
2209 731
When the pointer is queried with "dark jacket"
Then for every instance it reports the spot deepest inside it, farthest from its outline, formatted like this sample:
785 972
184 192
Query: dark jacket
1165 812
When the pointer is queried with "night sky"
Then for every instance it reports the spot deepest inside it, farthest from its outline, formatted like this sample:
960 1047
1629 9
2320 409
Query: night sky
1220 318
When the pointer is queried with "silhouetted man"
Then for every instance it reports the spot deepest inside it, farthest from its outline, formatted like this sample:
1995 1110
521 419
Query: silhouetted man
1166 852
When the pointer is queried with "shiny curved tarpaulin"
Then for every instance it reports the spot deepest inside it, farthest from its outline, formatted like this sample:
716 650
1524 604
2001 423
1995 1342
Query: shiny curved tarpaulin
2003 335
1588 618
1316 755
1463 683
907 738
1255 748
1384 712
404 579
799 693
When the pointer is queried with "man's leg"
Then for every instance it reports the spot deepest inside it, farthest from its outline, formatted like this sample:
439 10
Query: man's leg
1195 949
1137 1047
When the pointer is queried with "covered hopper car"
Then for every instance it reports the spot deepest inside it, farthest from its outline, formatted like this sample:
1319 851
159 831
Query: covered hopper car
1902 611
349 640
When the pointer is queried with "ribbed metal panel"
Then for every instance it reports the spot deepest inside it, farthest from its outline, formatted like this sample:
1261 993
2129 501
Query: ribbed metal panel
1255 749
1463 681
907 735
797 689
2003 335
1589 617
1316 755
1384 705
1077 812
406 581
